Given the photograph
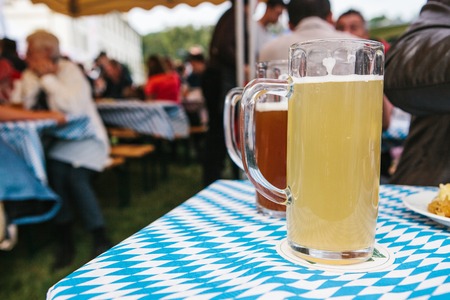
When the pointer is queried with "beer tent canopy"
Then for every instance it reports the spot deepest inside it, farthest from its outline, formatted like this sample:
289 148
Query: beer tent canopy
78 8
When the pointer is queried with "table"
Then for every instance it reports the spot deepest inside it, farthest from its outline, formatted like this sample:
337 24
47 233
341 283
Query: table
215 246
162 119
24 137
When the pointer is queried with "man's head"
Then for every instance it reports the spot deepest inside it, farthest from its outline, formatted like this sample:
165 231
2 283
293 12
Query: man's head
43 44
301 9
274 9
102 59
196 59
197 62
113 70
353 22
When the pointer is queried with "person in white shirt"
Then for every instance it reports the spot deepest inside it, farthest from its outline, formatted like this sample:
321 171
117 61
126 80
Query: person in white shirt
274 9
51 82
308 20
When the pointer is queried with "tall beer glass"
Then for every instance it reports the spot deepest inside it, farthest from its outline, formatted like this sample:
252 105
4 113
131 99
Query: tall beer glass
271 130
335 96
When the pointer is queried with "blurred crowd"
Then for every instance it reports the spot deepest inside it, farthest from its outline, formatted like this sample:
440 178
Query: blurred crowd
167 79
45 84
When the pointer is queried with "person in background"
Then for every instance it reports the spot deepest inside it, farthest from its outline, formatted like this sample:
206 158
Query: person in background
59 85
114 80
162 83
417 80
6 79
11 113
28 200
193 100
176 68
28 197
24 199
9 51
15 66
352 21
196 60
219 77
308 20
274 9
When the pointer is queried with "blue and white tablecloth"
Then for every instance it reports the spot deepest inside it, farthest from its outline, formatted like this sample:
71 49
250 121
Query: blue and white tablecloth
162 119
24 137
26 199
215 246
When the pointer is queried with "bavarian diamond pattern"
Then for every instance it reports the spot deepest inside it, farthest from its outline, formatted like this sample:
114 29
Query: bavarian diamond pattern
163 119
216 246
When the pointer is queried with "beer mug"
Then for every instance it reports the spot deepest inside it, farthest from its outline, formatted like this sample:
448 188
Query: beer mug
335 96
271 128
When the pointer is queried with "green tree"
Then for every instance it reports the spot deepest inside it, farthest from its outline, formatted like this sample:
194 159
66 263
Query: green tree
176 41
385 28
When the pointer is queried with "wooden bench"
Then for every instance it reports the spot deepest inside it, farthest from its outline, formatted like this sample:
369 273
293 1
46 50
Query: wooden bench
123 133
131 150
115 162
136 151
200 129
118 164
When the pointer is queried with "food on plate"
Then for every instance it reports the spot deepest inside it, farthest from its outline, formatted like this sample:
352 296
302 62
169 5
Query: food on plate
441 204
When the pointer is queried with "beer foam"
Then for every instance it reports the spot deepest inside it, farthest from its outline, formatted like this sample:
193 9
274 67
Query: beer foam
329 63
336 78
272 106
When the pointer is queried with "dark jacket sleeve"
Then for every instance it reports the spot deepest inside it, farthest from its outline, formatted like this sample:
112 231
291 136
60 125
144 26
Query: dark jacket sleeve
417 77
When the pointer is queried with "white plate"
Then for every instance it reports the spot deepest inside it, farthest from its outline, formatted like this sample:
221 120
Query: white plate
419 203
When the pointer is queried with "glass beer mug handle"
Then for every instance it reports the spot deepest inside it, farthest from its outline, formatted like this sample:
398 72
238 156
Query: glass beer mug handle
251 95
229 124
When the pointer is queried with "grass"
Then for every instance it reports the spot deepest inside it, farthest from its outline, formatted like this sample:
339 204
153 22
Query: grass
26 270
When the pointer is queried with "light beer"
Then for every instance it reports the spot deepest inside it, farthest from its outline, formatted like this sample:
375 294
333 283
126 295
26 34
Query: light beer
335 97
334 132
271 135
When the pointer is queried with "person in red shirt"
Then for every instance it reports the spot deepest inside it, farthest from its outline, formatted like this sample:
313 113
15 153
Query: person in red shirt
6 71
162 83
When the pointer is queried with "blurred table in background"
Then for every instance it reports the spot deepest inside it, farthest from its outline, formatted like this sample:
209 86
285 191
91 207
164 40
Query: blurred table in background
25 138
216 246
159 119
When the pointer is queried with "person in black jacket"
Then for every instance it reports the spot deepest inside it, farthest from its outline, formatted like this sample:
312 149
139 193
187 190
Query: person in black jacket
417 80
218 78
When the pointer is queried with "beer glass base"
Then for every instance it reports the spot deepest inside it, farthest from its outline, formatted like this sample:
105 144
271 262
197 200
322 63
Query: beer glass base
332 257
271 213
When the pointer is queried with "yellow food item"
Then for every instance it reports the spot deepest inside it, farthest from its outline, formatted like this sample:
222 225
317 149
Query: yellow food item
441 204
